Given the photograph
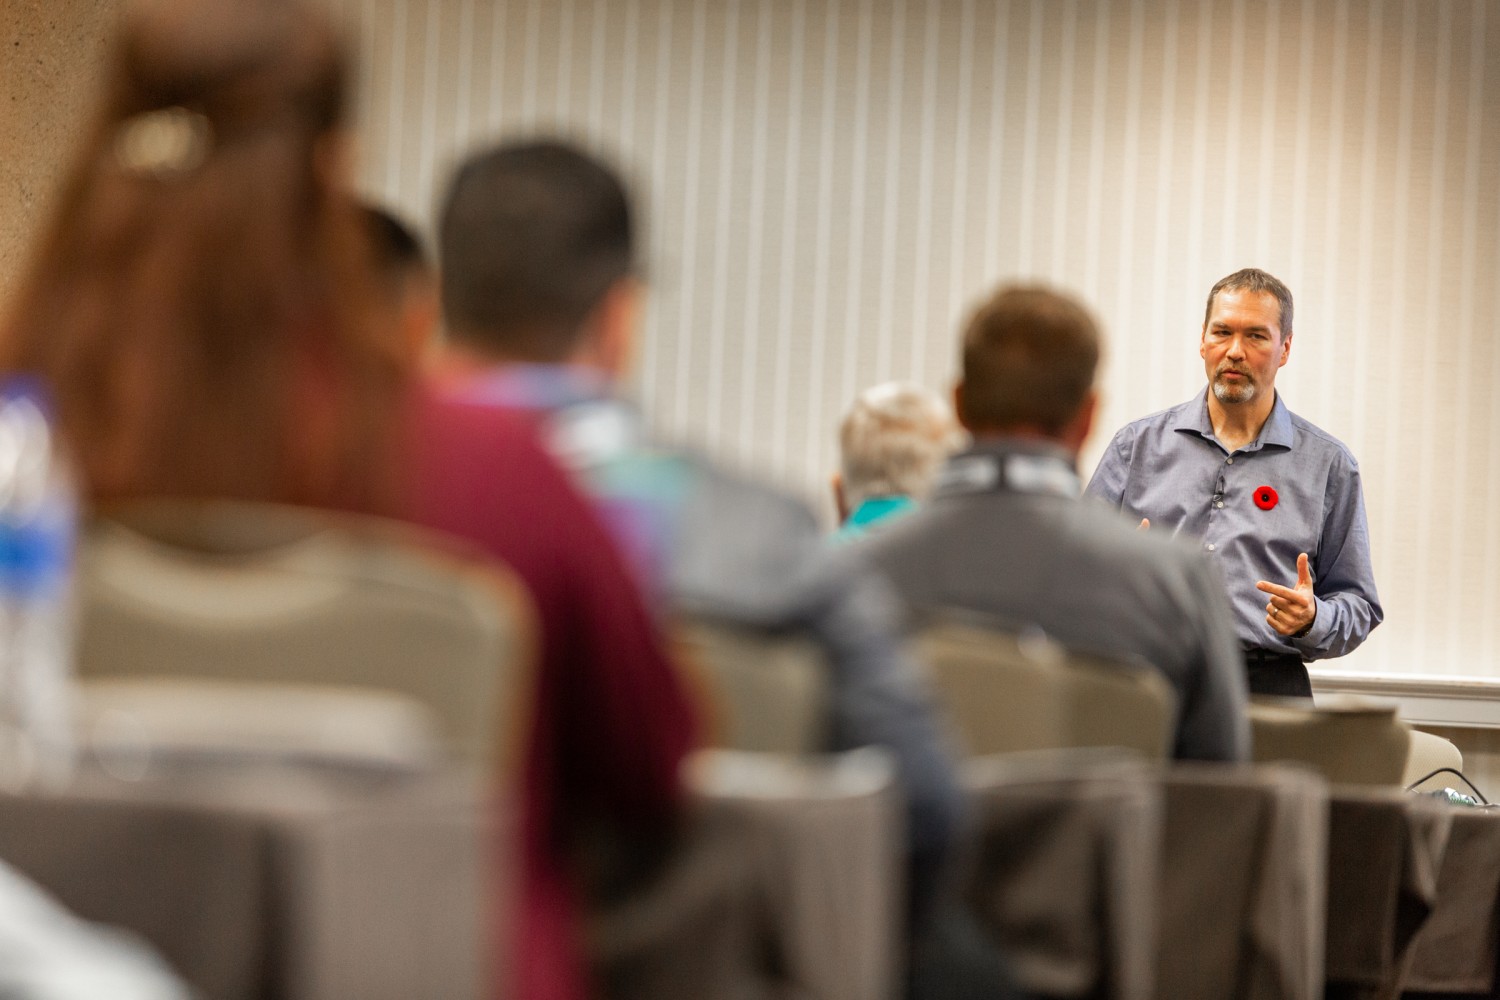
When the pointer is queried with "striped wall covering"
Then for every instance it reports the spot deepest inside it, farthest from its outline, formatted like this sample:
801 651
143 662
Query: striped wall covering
831 183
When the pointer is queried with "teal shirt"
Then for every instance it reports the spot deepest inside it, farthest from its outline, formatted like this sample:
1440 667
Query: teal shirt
871 512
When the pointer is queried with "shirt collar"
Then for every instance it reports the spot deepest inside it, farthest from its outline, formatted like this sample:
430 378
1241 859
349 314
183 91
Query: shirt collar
878 508
1192 417
538 386
979 467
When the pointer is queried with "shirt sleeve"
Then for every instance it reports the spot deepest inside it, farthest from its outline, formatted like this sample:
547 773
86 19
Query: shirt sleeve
1343 581
1113 471
879 699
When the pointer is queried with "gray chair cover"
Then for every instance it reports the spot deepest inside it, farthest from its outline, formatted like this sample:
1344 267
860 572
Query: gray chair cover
1064 871
1455 951
788 885
1242 889
258 883
1385 850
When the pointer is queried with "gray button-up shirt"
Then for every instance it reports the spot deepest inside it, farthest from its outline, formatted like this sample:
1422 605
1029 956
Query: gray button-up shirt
1170 468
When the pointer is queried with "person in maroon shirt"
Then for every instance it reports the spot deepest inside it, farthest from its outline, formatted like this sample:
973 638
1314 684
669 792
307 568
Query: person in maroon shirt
611 724
204 307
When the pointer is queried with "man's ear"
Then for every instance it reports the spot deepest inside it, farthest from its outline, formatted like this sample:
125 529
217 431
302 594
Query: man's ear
958 406
616 322
1078 429
334 159
840 502
420 312
1286 349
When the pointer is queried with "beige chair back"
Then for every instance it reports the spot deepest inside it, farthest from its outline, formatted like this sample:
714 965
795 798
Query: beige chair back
140 726
1006 693
998 699
767 692
1428 753
1349 740
1119 705
260 593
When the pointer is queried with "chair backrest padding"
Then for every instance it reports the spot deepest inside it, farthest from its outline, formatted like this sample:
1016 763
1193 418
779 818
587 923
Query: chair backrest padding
253 592
1005 692
1352 742
769 691
1428 753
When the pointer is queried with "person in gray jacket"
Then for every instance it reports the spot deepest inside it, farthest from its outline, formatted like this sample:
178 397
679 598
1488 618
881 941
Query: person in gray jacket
1007 536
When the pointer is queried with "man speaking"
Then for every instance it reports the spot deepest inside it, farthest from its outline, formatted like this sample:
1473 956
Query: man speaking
1276 500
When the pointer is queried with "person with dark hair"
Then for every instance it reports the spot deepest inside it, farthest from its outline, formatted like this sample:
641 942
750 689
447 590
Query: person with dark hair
1273 499
1090 583
541 299
207 312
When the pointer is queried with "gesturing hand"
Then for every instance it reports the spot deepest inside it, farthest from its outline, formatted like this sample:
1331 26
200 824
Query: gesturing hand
1291 609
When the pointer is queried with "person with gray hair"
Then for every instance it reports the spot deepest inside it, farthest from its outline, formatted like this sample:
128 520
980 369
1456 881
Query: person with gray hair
892 443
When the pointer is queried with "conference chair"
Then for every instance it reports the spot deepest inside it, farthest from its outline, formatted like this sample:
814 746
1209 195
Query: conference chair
786 882
241 625
1063 866
1349 740
1429 753
767 692
1008 691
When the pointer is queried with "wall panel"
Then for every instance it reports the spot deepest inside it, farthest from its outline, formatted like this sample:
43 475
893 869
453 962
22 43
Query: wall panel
830 184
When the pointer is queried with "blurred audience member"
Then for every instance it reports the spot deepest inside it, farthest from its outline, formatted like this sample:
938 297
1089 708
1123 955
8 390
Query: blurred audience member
404 277
892 442
203 306
541 303
1006 535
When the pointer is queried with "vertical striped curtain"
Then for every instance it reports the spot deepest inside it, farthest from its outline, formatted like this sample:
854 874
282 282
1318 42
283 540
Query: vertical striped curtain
829 185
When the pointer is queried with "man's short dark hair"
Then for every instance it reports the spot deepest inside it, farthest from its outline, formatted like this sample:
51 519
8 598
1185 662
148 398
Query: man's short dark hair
533 235
395 251
1253 279
1029 358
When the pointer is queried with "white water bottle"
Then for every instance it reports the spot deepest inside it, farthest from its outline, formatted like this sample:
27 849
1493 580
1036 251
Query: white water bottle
38 526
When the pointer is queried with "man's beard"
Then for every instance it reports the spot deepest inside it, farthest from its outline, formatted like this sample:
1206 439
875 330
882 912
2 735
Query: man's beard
1232 392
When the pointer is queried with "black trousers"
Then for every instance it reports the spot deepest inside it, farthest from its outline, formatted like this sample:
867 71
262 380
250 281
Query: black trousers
1280 674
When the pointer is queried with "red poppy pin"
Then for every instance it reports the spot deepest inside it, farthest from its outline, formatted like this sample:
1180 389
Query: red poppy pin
1265 497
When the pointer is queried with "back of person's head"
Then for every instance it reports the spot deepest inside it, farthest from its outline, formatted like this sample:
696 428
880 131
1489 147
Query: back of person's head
1029 358
533 236
201 300
892 442
1253 279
